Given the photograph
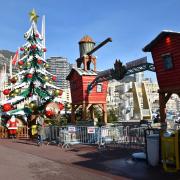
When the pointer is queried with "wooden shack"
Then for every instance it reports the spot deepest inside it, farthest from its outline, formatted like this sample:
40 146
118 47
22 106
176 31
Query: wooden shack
166 56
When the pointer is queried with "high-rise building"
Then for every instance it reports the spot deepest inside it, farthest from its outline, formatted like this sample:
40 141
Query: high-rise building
60 67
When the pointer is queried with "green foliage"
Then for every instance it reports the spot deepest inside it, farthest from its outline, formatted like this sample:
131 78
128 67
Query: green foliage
111 116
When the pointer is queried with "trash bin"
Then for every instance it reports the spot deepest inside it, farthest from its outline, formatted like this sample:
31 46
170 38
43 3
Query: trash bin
170 151
153 149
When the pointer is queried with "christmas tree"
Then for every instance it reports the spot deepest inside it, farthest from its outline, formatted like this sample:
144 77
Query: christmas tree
32 89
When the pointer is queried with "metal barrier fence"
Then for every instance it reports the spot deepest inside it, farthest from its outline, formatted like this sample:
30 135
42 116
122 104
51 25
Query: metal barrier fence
104 137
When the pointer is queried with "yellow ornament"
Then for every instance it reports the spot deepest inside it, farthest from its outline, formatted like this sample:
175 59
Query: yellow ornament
17 91
50 82
56 92
28 64
46 78
46 65
16 78
33 105
11 94
20 67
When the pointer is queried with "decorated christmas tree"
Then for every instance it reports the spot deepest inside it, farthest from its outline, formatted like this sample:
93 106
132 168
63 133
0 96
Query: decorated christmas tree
32 90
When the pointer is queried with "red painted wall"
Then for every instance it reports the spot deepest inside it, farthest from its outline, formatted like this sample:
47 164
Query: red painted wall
76 88
94 96
79 93
167 79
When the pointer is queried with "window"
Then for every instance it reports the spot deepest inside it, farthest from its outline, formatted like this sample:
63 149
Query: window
99 88
167 60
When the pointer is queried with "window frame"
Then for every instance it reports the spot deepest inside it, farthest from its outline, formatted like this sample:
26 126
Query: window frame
167 63
99 85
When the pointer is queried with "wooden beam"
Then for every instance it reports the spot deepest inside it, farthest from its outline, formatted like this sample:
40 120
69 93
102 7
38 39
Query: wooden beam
166 98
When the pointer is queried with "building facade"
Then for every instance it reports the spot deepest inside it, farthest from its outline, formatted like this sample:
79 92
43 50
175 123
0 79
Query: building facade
60 67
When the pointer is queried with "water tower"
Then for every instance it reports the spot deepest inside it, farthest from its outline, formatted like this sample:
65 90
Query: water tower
82 76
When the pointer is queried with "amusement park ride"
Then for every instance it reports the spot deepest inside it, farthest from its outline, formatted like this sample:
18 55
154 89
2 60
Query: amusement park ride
89 87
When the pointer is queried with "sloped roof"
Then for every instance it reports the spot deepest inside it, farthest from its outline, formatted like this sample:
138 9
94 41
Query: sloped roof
162 34
86 39
81 72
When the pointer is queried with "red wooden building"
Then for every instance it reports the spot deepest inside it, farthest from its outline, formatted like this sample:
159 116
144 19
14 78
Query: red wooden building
165 49
81 77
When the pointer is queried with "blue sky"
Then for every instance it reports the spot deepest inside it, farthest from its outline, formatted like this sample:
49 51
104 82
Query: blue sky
130 23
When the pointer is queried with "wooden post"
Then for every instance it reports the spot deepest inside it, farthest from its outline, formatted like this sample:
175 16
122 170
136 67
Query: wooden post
162 106
104 113
73 118
92 112
163 99
84 111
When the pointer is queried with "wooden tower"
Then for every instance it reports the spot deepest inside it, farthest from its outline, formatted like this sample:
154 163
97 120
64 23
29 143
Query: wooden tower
82 76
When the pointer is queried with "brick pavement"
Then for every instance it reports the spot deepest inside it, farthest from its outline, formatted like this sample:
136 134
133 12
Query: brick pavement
83 162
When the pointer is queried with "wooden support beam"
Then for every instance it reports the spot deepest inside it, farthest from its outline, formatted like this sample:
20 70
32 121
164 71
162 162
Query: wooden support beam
163 99
166 98
84 111
73 117
92 112
104 113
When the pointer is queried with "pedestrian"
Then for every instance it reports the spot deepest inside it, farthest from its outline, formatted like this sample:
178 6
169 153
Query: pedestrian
156 119
40 129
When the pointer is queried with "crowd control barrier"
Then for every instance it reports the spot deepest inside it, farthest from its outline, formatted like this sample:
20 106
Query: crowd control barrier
104 137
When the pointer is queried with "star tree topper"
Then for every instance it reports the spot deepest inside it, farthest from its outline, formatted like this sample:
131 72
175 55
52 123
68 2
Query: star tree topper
33 16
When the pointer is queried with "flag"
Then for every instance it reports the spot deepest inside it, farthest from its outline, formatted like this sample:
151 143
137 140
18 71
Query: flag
14 59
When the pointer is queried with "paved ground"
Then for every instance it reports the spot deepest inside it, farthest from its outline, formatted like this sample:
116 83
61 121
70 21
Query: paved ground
21 160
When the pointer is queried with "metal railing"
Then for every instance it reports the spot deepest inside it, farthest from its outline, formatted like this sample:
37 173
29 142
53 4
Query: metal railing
103 137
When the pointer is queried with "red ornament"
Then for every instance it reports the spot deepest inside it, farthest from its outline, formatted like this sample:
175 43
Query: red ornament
6 91
21 49
29 76
61 106
13 80
44 49
54 78
39 61
60 92
30 94
37 35
49 113
33 46
21 63
7 107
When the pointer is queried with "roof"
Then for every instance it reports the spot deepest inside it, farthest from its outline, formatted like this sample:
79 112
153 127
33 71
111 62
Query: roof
161 35
86 39
81 72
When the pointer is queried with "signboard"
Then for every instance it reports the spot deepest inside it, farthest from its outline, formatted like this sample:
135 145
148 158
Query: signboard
71 129
91 130
136 62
